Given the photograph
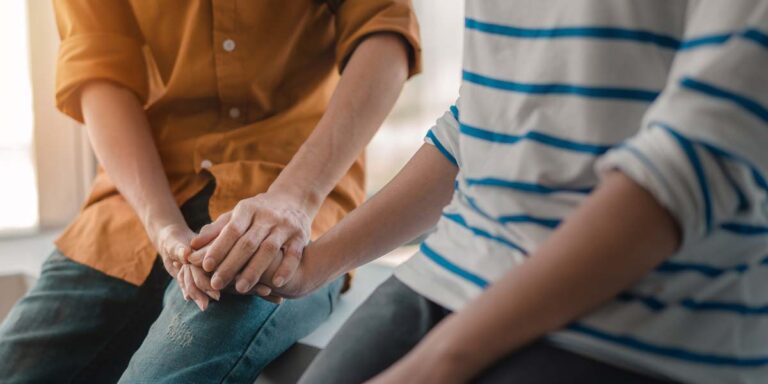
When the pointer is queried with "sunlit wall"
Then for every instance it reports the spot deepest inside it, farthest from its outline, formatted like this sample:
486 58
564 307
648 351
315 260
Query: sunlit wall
426 97
18 191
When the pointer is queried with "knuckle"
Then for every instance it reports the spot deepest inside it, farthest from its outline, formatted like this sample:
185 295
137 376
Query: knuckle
260 228
249 274
293 252
291 226
249 243
232 231
246 272
292 258
241 206
297 246
164 248
270 246
254 270
269 215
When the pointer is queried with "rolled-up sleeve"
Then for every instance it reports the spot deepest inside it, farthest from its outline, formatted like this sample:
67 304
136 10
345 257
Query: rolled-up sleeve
99 40
356 19
444 135
702 150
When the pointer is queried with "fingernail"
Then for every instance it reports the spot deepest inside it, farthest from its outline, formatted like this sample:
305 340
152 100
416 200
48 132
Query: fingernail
186 297
194 258
279 281
242 286
263 291
217 282
176 264
201 305
216 295
180 252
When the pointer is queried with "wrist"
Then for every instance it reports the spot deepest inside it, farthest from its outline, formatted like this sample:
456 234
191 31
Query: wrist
317 268
443 367
156 222
305 198
452 358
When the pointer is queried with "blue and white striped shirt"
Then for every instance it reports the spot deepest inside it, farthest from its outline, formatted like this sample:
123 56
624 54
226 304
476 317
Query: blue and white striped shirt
674 93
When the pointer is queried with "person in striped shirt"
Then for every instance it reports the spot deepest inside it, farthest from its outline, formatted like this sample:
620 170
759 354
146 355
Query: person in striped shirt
601 206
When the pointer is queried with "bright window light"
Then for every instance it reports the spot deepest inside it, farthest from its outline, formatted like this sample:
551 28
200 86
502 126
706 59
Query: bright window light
425 97
18 189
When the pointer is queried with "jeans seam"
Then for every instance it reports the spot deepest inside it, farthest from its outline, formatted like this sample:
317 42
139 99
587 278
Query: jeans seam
258 333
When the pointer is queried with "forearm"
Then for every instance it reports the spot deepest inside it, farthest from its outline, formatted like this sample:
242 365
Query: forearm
406 207
616 237
369 87
120 134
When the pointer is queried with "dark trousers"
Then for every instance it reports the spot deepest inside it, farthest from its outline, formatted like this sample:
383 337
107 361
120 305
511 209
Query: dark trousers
395 318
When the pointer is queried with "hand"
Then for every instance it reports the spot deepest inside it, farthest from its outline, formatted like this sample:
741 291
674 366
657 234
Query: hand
195 284
263 289
304 281
245 241
309 276
172 242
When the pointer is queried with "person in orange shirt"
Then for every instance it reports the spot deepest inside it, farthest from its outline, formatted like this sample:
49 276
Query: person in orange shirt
196 108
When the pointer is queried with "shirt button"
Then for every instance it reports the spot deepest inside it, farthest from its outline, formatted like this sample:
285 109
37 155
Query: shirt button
205 164
229 45
234 112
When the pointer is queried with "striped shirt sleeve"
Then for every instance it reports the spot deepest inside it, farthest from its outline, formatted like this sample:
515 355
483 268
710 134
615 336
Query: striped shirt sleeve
444 135
703 148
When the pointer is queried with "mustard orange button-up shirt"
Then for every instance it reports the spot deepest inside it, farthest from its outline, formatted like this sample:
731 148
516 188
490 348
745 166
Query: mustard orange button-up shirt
231 90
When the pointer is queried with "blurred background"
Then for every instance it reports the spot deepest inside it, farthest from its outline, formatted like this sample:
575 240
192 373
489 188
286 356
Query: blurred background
46 164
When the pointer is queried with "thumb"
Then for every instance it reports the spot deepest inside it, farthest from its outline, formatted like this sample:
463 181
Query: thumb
177 247
210 231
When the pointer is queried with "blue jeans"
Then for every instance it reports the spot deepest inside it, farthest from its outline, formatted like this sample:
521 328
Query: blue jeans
231 342
80 325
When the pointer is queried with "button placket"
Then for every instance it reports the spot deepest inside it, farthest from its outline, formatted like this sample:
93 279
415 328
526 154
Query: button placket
232 85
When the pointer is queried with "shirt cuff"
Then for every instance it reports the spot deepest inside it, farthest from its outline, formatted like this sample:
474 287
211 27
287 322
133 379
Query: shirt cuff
109 57
444 136
397 18
669 169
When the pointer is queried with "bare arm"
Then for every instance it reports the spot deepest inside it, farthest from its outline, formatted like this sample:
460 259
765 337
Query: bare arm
369 87
406 207
250 237
120 134
616 237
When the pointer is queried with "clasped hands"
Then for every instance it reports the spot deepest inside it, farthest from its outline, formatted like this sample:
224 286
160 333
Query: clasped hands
254 249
